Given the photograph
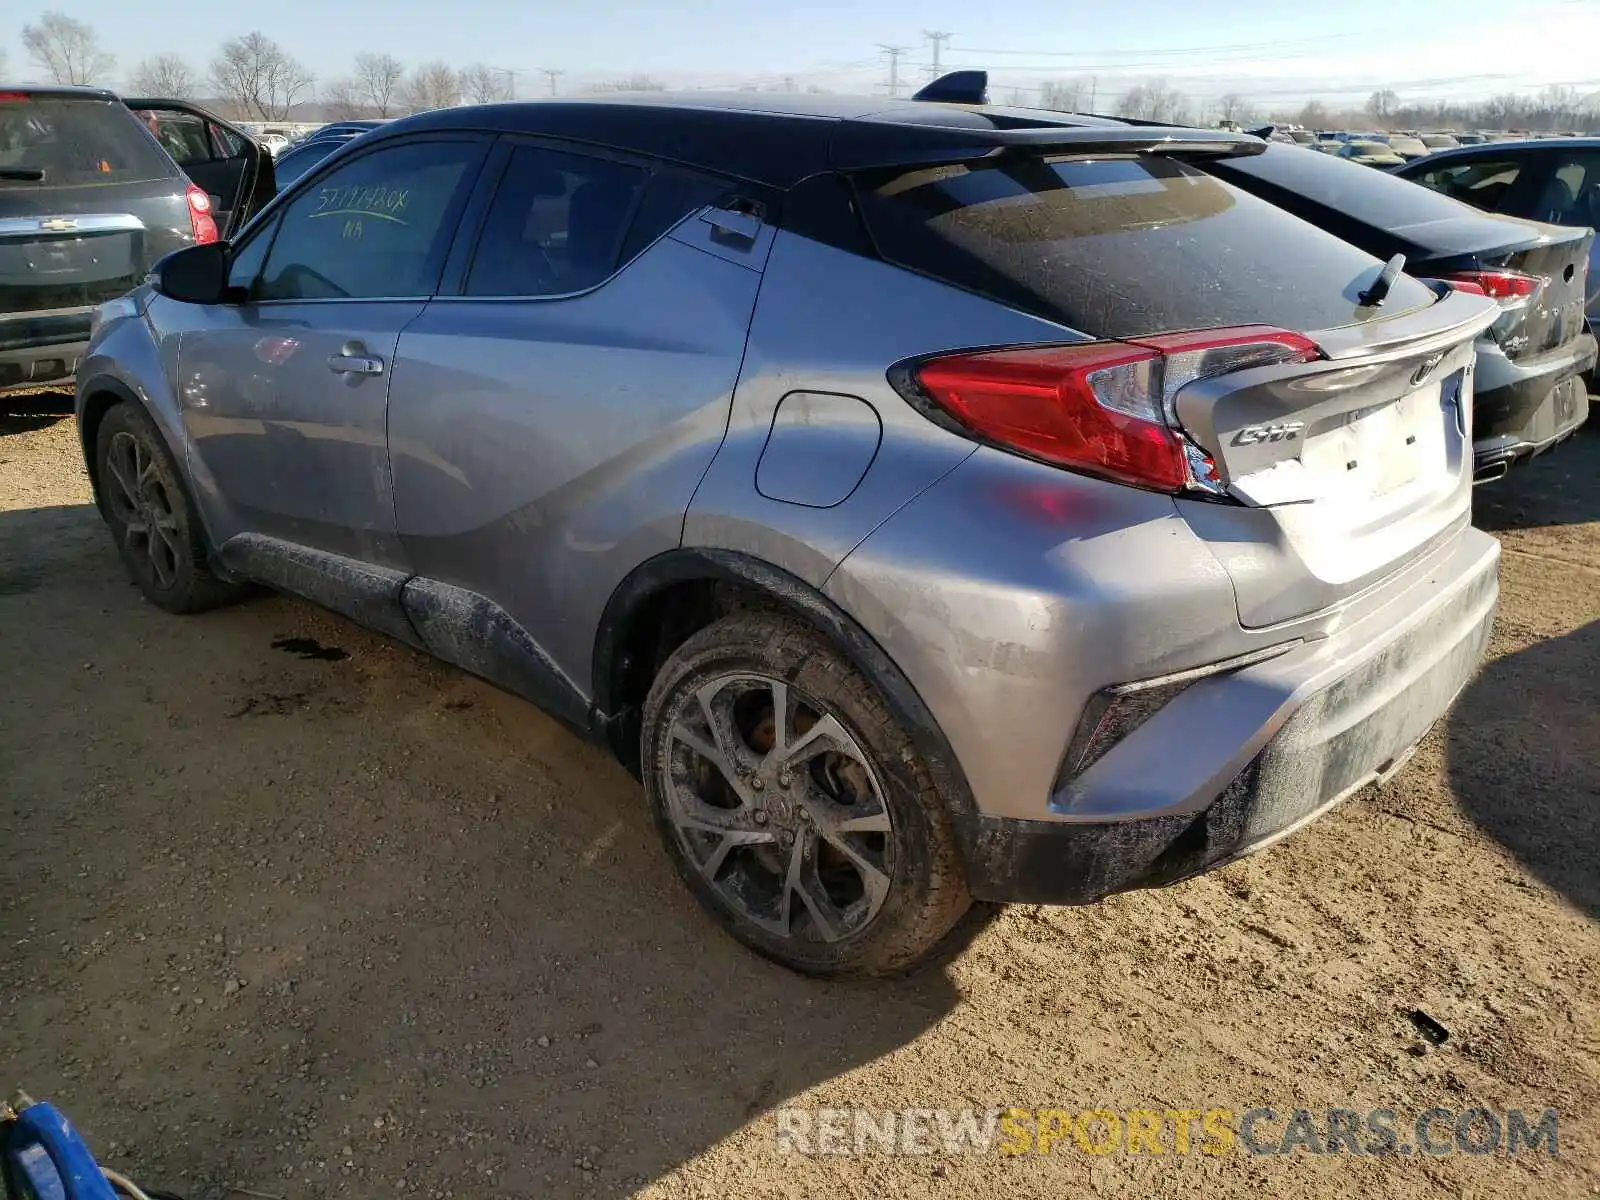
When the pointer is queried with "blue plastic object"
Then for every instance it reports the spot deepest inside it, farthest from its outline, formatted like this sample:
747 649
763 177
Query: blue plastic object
47 1160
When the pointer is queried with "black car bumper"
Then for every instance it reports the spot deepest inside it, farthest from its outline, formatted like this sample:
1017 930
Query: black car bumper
1523 407
43 349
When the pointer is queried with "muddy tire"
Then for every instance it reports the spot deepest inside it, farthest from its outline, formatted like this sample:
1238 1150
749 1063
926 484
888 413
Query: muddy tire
153 521
792 803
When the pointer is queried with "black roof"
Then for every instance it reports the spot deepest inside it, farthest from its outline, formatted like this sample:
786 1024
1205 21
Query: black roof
777 139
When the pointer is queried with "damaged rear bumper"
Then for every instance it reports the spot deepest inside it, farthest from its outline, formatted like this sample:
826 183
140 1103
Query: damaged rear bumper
1325 720
1523 408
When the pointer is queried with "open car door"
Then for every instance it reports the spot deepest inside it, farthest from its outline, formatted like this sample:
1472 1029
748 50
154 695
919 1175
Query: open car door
232 167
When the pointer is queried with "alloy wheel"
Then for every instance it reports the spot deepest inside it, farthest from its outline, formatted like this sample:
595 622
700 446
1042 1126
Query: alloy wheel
778 807
142 506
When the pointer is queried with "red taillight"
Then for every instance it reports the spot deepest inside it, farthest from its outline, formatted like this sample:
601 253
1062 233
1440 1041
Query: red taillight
1067 405
1507 286
1105 408
200 218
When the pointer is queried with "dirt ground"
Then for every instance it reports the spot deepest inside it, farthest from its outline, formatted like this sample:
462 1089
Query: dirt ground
354 923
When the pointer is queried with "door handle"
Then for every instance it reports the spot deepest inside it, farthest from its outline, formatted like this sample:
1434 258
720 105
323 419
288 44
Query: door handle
353 359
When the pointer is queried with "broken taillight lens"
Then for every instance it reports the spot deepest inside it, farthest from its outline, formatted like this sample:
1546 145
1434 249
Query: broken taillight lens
1508 287
1103 408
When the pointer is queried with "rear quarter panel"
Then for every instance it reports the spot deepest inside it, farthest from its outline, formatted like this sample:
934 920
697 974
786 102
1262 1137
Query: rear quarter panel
827 321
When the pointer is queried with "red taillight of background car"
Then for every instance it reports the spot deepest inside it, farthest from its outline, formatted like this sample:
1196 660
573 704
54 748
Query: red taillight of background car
1104 408
200 218
1508 287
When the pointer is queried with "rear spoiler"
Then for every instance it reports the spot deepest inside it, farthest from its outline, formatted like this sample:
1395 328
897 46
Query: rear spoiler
865 145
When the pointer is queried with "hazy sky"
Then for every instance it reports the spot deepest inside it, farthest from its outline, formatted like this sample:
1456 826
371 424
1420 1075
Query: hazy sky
1274 51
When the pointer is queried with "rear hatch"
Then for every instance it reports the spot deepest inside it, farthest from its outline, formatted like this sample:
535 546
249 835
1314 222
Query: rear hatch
1311 424
88 201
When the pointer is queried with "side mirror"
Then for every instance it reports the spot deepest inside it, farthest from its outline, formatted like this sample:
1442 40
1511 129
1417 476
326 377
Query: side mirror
195 274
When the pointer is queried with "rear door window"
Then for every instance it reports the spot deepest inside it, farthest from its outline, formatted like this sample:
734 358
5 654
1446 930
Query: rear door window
1571 193
1482 183
59 140
556 224
1120 246
182 135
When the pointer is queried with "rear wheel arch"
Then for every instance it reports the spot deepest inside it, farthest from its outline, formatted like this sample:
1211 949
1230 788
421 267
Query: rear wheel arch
667 599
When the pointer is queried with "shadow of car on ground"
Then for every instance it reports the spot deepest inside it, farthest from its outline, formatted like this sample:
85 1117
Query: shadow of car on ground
252 897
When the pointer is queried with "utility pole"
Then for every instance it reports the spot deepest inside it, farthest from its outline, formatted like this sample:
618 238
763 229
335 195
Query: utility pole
938 37
1094 81
551 75
894 53
510 78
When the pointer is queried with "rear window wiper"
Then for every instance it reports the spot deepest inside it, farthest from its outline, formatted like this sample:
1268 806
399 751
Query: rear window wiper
23 174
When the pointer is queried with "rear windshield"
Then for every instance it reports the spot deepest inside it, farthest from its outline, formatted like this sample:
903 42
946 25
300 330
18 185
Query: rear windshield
1120 246
1373 198
53 140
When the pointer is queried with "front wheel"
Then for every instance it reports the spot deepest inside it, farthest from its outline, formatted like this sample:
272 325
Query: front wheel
793 804
152 519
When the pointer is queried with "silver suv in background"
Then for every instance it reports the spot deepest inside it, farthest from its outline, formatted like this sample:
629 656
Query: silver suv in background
928 501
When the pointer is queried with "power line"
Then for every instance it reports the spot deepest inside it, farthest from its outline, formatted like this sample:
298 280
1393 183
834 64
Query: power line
551 75
1177 52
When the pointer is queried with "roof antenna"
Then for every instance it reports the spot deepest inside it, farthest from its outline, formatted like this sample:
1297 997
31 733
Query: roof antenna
958 87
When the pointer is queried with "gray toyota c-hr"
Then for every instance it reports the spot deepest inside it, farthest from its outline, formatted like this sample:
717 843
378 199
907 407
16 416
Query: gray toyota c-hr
927 500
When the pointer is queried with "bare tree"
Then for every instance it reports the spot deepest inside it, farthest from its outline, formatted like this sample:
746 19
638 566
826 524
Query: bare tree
1154 101
1135 102
165 75
378 78
633 83
1382 103
70 50
432 85
1061 95
487 85
1559 103
342 100
1314 115
1501 111
1235 107
258 78
1166 104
